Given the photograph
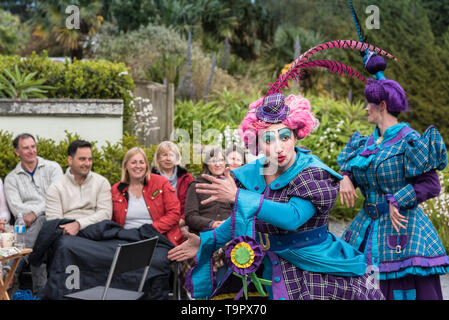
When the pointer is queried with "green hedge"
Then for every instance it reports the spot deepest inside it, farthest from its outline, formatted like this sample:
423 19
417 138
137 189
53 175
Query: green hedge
86 79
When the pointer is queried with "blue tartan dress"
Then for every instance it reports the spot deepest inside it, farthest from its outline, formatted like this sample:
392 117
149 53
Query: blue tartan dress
394 166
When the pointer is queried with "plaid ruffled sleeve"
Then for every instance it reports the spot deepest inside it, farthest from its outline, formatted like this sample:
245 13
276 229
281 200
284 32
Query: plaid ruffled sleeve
317 186
352 149
425 153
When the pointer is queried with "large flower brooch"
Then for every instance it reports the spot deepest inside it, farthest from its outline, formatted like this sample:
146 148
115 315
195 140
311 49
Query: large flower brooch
244 256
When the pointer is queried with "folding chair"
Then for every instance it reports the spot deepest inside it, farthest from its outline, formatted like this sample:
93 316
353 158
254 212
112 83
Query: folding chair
175 294
128 257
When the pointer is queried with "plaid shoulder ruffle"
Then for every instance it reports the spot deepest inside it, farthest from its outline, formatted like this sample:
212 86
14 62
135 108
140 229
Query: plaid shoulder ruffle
425 153
316 185
353 148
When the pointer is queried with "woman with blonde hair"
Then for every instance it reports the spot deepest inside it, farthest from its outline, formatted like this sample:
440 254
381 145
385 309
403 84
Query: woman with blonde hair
142 197
167 163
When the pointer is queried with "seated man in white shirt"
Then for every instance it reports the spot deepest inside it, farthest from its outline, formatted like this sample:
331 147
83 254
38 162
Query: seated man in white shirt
80 194
25 191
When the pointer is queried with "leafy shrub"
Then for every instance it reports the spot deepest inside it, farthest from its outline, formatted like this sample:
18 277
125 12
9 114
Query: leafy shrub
12 33
18 85
224 109
145 52
96 79
8 159
338 121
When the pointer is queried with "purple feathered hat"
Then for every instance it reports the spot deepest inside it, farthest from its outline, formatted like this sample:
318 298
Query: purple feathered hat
389 91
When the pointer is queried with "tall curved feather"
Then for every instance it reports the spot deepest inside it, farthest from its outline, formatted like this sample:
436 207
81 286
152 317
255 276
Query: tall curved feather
340 44
344 44
298 73
333 66
356 21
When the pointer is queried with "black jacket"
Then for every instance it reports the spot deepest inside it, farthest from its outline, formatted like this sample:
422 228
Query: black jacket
91 253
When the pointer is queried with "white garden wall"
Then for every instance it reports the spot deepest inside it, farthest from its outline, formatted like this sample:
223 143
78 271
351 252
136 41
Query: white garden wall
94 120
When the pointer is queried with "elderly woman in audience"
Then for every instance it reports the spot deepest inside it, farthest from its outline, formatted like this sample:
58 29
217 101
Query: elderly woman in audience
167 163
200 217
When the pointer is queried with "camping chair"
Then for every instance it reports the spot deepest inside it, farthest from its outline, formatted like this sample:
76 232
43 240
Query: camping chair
128 257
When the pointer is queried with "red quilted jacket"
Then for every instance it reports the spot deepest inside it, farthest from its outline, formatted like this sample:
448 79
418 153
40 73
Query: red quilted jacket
182 185
162 203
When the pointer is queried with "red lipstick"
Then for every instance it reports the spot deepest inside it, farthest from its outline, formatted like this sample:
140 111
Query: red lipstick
281 159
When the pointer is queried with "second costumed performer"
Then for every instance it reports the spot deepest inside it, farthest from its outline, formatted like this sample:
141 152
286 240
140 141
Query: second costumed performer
276 238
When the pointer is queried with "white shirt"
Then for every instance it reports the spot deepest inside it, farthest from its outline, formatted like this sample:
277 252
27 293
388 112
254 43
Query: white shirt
26 193
88 203
137 213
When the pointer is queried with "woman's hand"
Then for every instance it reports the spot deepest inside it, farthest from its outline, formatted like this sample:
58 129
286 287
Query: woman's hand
182 222
396 218
347 192
186 250
222 190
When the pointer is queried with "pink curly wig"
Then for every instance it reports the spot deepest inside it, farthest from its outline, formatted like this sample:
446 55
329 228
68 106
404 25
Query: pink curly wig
300 119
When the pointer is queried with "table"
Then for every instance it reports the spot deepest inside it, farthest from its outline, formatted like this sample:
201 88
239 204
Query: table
16 259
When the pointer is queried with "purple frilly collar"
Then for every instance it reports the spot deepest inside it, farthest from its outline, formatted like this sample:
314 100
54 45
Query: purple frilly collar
401 134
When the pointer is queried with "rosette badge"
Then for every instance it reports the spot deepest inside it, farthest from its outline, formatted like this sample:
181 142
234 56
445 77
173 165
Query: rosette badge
244 256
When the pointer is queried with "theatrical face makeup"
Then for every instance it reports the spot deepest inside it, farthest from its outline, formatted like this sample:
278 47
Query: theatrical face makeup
278 144
374 112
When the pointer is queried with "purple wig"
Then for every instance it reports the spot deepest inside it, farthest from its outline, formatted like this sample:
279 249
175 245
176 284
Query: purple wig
375 64
389 91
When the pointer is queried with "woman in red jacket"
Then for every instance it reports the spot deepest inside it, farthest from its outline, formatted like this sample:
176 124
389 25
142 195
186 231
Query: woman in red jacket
142 197
167 163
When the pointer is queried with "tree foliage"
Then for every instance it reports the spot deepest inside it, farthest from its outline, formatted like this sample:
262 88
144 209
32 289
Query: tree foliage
12 36
49 23
414 31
